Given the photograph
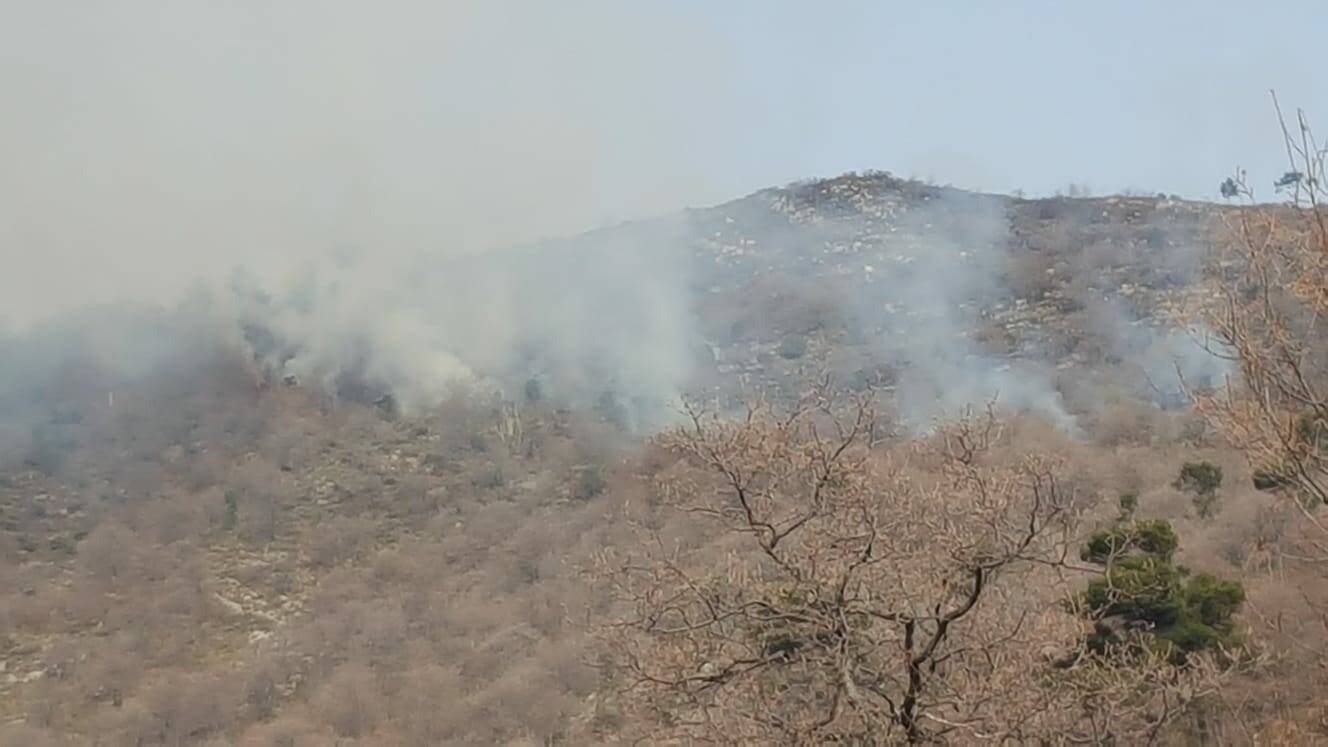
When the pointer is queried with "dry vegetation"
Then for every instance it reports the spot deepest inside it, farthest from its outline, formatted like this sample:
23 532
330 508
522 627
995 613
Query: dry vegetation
1267 320
210 558
338 575
919 593
431 580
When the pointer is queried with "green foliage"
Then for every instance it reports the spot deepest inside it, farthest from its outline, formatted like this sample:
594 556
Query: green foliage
1203 478
1129 503
782 645
588 482
1213 600
231 510
1205 615
1270 479
1142 587
1151 536
1205 505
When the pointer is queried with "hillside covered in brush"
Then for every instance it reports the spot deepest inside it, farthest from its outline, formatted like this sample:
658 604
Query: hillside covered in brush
332 512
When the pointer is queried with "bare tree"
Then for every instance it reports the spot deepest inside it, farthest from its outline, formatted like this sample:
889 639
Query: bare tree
814 587
1267 320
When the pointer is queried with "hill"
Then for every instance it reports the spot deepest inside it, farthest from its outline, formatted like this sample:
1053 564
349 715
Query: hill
266 533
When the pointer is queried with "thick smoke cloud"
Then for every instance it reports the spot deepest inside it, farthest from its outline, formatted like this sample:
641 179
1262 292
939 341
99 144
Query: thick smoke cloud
364 198
151 144
603 317
347 180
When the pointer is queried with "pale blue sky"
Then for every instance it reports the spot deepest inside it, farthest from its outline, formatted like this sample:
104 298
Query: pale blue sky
146 142
1005 95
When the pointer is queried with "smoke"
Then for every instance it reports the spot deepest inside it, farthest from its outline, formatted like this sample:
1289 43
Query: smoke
388 181
152 145
930 298
152 149
606 315
1164 358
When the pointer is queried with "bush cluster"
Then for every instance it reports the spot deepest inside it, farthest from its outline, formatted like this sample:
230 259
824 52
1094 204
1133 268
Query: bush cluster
1143 588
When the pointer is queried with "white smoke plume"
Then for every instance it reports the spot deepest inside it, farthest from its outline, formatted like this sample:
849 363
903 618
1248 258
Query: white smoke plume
604 315
152 148
928 304
154 144
1163 356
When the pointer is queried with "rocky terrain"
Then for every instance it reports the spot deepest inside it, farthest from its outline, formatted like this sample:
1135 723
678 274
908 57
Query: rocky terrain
847 274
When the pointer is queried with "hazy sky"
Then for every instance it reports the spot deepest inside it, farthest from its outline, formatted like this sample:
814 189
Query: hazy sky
147 141
1027 95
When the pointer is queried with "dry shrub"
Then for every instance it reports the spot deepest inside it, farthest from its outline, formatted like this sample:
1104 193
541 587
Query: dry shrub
176 709
523 701
109 554
350 702
84 602
783 303
206 469
394 566
257 487
15 444
173 519
415 495
1099 256
1123 422
28 735
1032 275
32 602
11 549
340 539
459 419
258 518
109 674
42 703
286 731
429 706
187 592
853 594
261 688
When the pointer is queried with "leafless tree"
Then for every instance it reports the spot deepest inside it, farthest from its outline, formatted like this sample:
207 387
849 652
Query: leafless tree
814 587
1267 320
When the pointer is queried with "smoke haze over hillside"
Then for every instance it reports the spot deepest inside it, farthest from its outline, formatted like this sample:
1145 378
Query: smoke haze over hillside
606 371
146 142
151 143
349 159
365 167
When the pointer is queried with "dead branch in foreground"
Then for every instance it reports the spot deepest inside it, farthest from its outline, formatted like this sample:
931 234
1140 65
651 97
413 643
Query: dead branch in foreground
837 592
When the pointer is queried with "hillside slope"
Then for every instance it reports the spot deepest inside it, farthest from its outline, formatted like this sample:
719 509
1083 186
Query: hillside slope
227 551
